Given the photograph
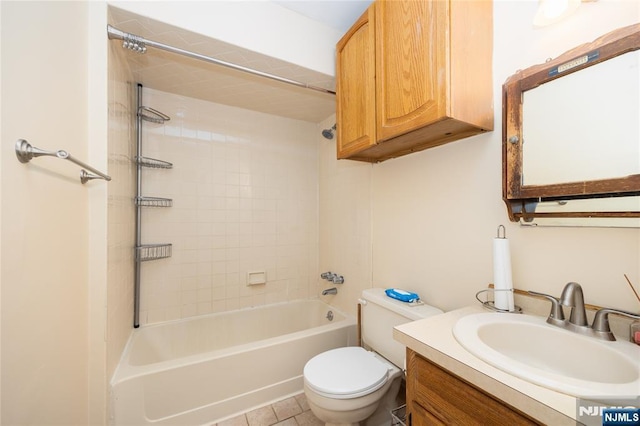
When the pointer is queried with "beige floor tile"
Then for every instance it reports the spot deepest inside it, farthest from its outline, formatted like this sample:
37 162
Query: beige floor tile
302 401
286 408
308 419
263 416
234 421
291 421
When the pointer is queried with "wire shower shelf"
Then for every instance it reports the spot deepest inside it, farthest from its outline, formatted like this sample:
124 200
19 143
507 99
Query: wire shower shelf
153 251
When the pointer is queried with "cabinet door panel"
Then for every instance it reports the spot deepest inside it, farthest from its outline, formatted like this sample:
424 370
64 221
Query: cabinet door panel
450 400
355 87
412 72
421 417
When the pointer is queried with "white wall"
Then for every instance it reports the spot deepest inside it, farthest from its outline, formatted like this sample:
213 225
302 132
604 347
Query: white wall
434 213
345 223
97 155
0 224
44 228
53 228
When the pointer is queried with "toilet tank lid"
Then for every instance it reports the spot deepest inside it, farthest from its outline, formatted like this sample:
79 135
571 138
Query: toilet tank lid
412 311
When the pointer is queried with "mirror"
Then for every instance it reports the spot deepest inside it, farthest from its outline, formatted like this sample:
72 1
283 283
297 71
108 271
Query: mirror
571 135
562 110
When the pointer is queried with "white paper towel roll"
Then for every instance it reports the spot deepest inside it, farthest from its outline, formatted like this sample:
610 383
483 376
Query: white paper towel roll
502 279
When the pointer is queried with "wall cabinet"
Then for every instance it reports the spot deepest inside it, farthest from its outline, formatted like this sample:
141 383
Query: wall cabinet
355 87
411 75
437 397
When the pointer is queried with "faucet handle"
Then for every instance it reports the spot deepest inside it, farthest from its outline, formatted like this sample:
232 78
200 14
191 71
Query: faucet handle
556 316
327 275
601 321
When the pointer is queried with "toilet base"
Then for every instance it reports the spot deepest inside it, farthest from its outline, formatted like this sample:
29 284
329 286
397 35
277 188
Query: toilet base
382 415
338 417
372 410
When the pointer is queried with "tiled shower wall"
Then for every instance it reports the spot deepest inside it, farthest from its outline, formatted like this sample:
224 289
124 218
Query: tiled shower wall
244 187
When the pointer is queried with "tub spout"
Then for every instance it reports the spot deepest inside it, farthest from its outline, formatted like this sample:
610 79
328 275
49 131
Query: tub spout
331 290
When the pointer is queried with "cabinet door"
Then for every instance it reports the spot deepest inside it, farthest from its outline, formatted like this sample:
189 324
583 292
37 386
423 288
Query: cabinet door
412 51
355 87
421 417
437 397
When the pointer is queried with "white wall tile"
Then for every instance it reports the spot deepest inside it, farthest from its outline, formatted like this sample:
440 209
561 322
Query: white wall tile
244 187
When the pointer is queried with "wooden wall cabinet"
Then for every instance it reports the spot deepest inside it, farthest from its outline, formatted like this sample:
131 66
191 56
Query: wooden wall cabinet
437 397
355 87
411 75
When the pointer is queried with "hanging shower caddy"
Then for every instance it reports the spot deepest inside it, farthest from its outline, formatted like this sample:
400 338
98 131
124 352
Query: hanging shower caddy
145 252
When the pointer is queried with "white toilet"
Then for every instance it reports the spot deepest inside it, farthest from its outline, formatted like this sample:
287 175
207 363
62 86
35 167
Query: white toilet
346 386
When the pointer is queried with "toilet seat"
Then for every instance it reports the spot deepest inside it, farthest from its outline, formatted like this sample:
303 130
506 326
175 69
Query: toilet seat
345 373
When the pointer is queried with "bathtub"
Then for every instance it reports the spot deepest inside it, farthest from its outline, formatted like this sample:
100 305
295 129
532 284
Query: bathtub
202 370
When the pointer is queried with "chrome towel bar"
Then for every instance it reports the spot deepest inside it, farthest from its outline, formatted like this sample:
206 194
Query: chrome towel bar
25 152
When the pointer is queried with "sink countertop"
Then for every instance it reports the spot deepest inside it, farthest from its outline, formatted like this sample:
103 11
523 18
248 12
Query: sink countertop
433 339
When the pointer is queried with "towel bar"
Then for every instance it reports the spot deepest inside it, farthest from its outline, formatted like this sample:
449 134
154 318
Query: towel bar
25 152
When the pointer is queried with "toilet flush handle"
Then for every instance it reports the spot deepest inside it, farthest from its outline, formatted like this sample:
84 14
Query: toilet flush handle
362 302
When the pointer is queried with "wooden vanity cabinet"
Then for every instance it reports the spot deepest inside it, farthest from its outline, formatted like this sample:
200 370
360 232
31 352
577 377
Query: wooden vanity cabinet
412 75
437 397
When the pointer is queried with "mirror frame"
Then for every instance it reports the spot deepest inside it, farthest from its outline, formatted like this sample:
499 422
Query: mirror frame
520 199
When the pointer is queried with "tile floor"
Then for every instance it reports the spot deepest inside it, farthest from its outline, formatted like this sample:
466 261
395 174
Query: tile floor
292 411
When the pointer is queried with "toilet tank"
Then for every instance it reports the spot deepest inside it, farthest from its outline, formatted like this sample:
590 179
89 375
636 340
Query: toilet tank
380 313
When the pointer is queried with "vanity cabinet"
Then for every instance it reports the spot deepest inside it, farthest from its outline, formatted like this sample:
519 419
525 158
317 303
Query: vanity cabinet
411 75
437 397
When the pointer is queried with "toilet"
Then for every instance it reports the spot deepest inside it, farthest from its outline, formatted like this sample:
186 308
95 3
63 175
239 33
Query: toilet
349 385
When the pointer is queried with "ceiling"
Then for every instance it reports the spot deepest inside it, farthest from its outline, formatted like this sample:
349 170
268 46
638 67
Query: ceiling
338 14
184 76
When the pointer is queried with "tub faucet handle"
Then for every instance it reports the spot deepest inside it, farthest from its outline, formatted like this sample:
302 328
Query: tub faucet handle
338 279
327 275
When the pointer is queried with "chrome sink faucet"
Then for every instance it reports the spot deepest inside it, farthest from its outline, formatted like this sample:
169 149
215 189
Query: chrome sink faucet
573 297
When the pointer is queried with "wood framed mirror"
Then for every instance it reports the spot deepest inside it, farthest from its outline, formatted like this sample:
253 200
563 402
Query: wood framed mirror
571 133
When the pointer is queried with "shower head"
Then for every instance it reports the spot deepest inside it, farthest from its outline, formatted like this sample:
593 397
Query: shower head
328 133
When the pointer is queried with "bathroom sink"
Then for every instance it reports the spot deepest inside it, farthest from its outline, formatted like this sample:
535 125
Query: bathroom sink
527 347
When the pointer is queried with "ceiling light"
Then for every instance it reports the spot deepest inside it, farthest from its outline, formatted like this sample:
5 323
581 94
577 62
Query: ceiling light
551 11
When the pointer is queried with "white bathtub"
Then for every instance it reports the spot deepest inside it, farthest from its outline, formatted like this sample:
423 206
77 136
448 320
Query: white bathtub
202 370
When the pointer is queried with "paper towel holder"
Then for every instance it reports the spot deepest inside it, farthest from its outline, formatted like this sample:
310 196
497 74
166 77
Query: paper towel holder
504 232
490 304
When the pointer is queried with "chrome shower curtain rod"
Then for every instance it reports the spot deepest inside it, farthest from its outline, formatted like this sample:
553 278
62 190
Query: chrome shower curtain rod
139 44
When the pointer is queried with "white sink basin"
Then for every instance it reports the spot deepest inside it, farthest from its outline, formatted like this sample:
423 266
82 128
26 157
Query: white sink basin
527 347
